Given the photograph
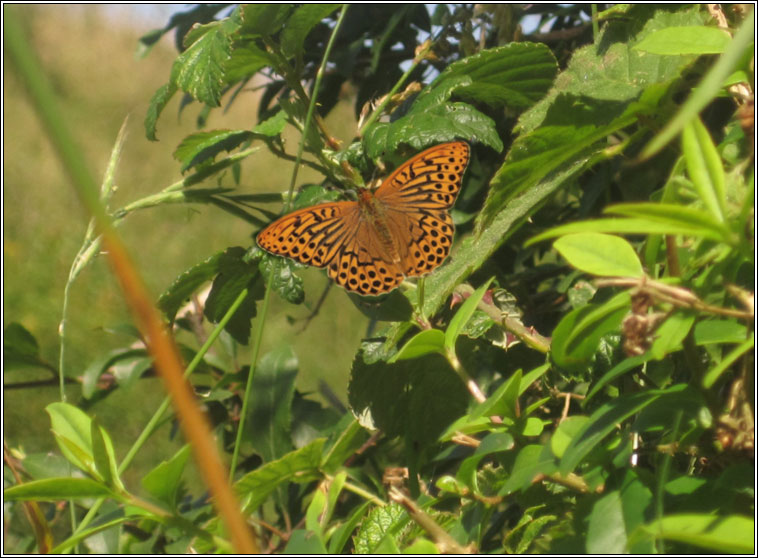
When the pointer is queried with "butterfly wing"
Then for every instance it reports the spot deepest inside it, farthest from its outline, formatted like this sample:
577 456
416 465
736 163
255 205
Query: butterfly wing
334 235
416 198
430 180
314 235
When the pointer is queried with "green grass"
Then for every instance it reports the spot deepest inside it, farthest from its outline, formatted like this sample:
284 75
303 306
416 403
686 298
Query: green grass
99 82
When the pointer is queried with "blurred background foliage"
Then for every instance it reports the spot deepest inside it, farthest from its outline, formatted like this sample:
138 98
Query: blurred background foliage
82 48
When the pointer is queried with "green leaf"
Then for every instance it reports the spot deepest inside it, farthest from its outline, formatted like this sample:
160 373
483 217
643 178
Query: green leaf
20 348
72 429
679 218
300 23
65 488
199 70
272 127
101 365
687 39
415 399
382 523
577 336
709 332
566 432
463 315
606 86
615 372
670 334
704 168
188 282
104 456
203 146
270 418
286 283
605 420
615 516
341 534
246 62
437 124
600 254
709 87
655 224
515 75
423 343
718 533
715 373
163 481
304 543
159 101
494 442
531 460
235 274
301 466
263 19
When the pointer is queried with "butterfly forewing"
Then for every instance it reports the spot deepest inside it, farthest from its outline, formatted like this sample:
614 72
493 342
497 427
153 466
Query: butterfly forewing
430 180
313 235
402 229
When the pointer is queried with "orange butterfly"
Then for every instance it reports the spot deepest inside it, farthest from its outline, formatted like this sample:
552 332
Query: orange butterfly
402 229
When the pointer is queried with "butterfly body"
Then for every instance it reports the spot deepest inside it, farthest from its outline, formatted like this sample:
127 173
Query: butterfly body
402 229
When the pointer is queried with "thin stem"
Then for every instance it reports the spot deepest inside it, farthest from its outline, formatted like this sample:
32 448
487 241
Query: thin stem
312 104
379 109
152 424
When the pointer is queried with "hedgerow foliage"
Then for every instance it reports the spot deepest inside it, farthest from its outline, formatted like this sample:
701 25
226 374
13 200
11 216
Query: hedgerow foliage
577 377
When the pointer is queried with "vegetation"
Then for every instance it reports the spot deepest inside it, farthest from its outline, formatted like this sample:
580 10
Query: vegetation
590 395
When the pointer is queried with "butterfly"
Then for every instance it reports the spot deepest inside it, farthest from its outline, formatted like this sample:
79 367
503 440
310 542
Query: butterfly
401 229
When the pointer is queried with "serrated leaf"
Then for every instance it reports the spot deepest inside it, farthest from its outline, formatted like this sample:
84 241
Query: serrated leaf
299 466
203 146
605 87
269 418
235 275
287 284
300 23
159 101
199 70
382 522
263 19
189 281
163 481
245 62
435 125
416 399
600 254
273 126
515 75
65 488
